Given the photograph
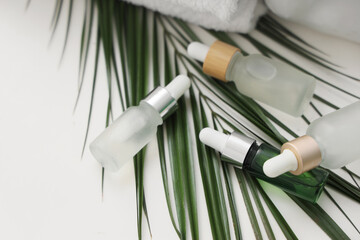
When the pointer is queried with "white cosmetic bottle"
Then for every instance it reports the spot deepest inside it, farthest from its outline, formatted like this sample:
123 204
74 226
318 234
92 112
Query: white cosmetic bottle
266 80
331 141
135 127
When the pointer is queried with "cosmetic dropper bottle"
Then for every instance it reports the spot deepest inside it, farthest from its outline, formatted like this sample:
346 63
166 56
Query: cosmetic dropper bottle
271 82
135 127
331 141
249 155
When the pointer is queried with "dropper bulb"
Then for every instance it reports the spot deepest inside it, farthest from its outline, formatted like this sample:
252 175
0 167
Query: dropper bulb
214 139
198 51
178 86
282 163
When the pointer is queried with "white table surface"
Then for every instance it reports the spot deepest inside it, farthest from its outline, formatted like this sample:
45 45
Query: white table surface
46 190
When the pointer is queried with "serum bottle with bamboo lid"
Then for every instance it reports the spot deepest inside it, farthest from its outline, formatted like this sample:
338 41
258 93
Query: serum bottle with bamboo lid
246 153
135 127
330 141
266 80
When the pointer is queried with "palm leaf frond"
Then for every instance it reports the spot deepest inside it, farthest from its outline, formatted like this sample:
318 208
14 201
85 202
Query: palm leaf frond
132 39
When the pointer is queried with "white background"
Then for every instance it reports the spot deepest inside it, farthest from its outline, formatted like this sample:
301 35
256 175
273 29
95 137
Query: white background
47 191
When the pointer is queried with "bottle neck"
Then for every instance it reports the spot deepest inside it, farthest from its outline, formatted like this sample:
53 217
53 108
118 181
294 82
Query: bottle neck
218 58
231 161
306 151
237 57
246 162
162 101
237 148
250 155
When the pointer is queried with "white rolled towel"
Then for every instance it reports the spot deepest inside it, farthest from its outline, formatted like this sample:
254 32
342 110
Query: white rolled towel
335 17
227 15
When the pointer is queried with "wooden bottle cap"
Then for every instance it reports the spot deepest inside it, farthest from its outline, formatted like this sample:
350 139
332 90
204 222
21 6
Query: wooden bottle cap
218 59
307 153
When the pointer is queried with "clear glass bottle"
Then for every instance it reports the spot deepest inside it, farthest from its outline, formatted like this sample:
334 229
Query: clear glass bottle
135 127
261 78
247 154
330 141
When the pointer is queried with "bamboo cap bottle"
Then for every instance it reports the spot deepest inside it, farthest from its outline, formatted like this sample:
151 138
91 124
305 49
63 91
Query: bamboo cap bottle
216 58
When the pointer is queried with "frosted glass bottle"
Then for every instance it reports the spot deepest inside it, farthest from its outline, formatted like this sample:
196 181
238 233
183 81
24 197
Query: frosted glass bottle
331 141
135 127
261 78
337 135
126 136
247 154
271 82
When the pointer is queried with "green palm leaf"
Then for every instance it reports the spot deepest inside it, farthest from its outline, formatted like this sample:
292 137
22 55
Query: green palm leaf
126 32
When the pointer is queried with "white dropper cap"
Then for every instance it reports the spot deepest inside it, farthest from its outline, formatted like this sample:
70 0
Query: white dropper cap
234 146
282 163
214 139
178 86
198 51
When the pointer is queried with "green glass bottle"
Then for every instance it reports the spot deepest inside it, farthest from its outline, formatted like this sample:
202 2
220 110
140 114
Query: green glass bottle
247 154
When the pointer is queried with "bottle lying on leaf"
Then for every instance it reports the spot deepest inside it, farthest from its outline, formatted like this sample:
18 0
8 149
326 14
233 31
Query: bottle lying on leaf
135 127
330 141
246 153
272 82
